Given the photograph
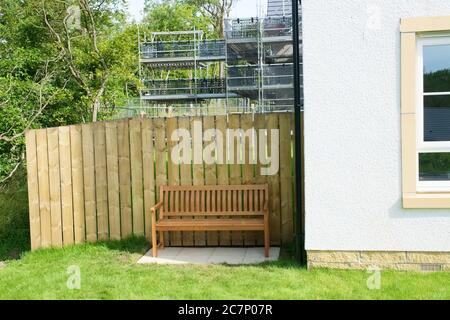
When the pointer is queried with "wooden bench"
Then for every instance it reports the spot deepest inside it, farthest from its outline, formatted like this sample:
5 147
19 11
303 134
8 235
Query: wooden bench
211 208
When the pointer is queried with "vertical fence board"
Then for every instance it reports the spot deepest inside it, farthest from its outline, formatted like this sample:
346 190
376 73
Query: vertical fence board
101 180
33 190
212 237
260 124
198 170
90 210
274 186
112 164
44 191
123 139
173 171
66 185
248 168
222 171
148 170
235 168
55 186
186 176
136 177
161 160
287 225
77 183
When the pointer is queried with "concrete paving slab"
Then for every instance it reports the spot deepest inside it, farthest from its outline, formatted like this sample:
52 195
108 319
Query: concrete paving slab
232 256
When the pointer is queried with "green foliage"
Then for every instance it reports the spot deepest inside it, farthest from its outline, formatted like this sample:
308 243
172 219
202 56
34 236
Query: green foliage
216 10
52 74
173 15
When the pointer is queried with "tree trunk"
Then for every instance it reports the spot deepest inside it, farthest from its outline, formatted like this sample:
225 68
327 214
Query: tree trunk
96 106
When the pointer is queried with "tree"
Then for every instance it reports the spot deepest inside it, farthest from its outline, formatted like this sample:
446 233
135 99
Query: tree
56 69
175 15
216 10
84 32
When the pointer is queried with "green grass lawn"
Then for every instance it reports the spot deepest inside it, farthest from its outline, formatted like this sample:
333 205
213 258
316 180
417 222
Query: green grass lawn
109 271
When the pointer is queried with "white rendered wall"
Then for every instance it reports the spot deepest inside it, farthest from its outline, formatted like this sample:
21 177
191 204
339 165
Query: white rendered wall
352 129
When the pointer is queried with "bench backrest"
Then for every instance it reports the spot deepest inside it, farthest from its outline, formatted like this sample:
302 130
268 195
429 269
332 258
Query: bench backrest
239 200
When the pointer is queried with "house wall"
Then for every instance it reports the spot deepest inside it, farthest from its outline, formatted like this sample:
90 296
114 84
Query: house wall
352 133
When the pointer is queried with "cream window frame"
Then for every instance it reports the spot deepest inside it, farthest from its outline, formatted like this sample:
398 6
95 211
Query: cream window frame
412 30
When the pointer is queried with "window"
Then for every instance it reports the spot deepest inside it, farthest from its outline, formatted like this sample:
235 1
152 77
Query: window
433 113
425 112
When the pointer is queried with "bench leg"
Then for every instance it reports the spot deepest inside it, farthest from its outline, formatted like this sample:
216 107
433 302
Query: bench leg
154 242
266 237
161 239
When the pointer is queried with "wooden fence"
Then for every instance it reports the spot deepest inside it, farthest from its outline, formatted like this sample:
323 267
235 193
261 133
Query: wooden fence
98 181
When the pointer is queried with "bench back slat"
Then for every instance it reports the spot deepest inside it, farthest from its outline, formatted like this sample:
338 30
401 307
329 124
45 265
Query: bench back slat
227 200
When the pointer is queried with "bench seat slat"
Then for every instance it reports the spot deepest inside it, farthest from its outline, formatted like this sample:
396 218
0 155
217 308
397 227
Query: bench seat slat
215 187
208 224
225 213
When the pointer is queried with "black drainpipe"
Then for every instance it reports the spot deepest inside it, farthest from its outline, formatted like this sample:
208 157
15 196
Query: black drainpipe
299 166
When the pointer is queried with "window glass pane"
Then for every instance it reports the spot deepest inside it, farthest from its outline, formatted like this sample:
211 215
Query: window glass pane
434 167
436 118
436 64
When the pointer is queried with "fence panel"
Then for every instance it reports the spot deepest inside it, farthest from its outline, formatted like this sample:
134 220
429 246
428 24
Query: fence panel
286 181
123 139
136 177
66 185
274 185
186 174
223 174
212 237
198 177
33 190
234 150
99 181
44 188
148 171
260 124
87 139
112 164
77 183
55 185
173 172
160 160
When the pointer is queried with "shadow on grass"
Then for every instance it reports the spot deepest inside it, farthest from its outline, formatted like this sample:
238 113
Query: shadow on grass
14 221
130 245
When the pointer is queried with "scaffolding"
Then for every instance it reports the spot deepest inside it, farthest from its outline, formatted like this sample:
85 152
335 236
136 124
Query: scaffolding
250 70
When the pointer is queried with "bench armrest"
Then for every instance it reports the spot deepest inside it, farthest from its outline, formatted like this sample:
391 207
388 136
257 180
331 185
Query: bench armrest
154 209
266 206
157 207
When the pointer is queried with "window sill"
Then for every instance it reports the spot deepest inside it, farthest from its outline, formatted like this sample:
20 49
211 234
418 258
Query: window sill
426 200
